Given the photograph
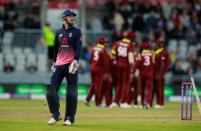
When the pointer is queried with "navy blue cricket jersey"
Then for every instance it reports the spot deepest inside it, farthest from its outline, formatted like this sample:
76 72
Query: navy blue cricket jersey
68 45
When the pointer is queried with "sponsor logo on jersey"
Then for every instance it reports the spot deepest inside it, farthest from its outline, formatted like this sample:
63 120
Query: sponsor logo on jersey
65 46
60 35
70 34
64 41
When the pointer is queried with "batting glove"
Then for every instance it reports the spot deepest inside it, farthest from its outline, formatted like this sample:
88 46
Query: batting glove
73 67
53 68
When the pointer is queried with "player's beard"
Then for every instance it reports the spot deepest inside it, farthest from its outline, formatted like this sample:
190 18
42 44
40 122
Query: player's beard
70 24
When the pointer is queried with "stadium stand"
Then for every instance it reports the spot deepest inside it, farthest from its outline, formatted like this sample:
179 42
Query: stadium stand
19 42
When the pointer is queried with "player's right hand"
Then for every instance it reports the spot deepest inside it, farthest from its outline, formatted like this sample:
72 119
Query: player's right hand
53 68
131 77
110 78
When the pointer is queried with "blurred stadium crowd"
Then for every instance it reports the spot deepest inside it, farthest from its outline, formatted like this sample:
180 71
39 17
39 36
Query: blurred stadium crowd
176 21
14 56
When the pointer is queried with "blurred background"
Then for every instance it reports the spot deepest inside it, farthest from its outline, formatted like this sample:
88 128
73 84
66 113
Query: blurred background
27 30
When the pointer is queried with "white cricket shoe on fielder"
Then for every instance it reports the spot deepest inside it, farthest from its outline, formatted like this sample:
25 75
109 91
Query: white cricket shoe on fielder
162 106
53 121
135 106
157 106
147 106
113 105
125 105
67 123
86 102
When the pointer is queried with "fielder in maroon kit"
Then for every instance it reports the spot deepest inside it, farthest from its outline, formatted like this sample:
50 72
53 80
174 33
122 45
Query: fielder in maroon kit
113 65
99 69
112 80
134 84
146 66
107 83
124 54
160 68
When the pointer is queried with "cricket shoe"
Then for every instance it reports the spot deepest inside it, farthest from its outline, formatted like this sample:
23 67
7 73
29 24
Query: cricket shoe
135 106
157 106
121 105
67 123
114 105
162 106
146 105
125 105
86 102
53 121
101 105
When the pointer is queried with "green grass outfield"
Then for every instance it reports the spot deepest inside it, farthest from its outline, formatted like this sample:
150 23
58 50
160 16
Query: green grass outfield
32 115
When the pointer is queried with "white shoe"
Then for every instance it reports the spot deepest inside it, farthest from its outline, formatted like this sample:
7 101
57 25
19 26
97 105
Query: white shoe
122 105
146 105
101 105
125 105
162 106
157 106
128 105
113 105
135 106
67 123
86 102
53 121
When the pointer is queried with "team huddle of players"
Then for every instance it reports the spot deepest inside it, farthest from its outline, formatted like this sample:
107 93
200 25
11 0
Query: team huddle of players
131 73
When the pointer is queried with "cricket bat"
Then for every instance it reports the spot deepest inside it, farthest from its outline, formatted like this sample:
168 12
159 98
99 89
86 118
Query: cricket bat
196 95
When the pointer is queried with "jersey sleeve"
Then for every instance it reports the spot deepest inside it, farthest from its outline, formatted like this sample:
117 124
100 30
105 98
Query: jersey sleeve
163 58
131 48
56 47
78 45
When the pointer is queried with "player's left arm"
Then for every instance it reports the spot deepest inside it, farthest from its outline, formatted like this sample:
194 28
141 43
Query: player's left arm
137 64
77 48
56 48
161 69
131 55
131 59
106 60
167 63
78 45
